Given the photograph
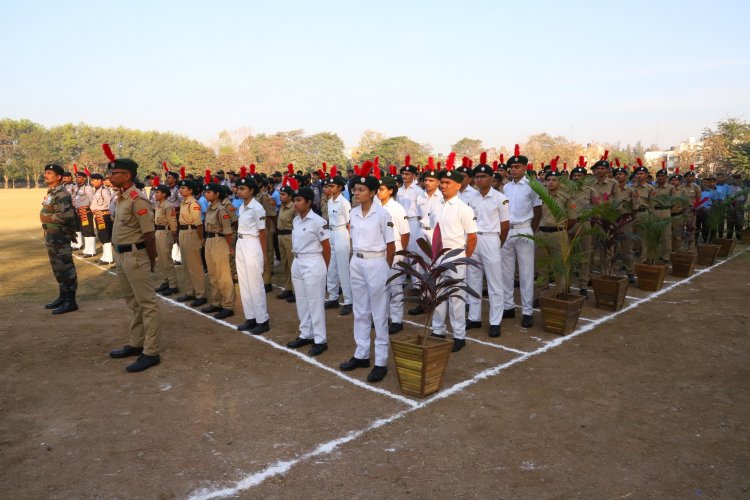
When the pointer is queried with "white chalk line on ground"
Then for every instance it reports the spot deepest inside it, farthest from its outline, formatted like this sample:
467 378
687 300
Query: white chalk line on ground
282 467
303 357
483 342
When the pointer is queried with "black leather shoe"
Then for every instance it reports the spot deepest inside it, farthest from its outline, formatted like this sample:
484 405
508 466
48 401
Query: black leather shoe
494 331
346 310
284 294
631 278
144 362
177 262
584 292
354 363
437 335
68 305
161 288
535 304
458 344
415 311
268 287
224 314
211 309
527 321
261 328
509 313
248 325
185 298
317 349
126 352
299 342
169 291
291 299
377 374
395 328
331 304
55 303
199 302
473 324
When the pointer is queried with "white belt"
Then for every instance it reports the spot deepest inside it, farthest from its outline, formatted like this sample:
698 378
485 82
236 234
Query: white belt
306 255
369 255
247 236
487 233
521 225
338 228
413 217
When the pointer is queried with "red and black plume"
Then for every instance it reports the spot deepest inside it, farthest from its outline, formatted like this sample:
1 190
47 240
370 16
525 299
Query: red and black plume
182 172
108 152
483 158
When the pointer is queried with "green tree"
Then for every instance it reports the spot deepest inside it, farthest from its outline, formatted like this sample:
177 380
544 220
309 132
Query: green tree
468 147
392 151
726 147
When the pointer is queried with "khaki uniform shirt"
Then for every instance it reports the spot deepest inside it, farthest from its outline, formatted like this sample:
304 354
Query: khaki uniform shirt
218 219
233 217
683 201
643 196
563 200
662 190
133 218
165 215
602 190
324 208
286 216
623 198
190 212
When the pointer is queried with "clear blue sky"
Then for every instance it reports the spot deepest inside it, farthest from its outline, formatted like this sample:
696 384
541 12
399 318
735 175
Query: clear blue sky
433 70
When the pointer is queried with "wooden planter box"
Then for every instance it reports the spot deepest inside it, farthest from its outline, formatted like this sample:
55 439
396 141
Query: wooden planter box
650 278
727 246
609 291
420 368
683 263
707 254
745 236
560 315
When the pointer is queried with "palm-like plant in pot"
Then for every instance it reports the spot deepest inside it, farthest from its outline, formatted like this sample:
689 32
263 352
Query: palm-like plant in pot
610 225
421 360
683 261
724 209
650 231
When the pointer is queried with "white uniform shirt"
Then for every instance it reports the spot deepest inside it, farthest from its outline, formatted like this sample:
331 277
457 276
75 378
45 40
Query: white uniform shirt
338 211
400 222
428 208
307 233
468 194
522 201
371 233
490 210
252 218
456 220
408 198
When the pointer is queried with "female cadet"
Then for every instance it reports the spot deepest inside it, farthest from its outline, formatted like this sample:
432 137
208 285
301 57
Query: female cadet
165 222
339 272
219 237
190 224
386 192
250 252
312 252
373 248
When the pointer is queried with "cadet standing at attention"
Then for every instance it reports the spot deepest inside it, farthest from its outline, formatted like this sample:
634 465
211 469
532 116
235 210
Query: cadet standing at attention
135 257
83 195
284 230
190 225
338 270
643 201
58 219
165 223
102 218
218 249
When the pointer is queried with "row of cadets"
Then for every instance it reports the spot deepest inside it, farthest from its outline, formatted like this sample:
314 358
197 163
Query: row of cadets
339 210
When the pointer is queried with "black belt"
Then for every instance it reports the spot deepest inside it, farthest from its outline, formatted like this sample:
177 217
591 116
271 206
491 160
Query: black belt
212 235
284 231
549 229
160 228
186 226
129 248
662 208
639 210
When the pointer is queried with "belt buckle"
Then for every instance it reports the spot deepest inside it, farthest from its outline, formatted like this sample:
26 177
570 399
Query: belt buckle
358 254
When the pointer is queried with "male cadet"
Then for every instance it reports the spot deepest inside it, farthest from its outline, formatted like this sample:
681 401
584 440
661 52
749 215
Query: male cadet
603 187
135 258
492 212
525 214
285 226
584 197
165 224
269 206
407 197
102 218
694 197
679 208
67 183
664 191
623 200
643 201
467 191
338 267
455 227
722 190
58 219
83 194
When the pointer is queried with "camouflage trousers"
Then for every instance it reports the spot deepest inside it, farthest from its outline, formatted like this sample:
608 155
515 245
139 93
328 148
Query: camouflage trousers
61 258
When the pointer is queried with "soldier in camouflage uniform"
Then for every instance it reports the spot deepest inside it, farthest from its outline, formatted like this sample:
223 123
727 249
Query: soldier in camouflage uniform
58 219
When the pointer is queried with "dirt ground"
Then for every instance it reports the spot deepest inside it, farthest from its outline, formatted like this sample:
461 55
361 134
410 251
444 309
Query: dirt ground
648 403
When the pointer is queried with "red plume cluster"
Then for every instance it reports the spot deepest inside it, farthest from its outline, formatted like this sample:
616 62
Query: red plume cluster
639 162
324 167
334 171
156 181
553 164
182 172
502 158
606 154
86 171
517 150
290 168
471 163
407 160
530 167
75 169
243 171
663 164
617 162
692 167
451 161
207 177
581 161
392 170
565 166
376 169
164 166
677 170
431 163
108 152
483 158
494 166
465 161
252 169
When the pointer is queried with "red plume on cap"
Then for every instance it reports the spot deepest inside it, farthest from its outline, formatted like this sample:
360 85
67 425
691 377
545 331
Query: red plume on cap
376 165
156 181
553 164
565 166
639 162
517 150
207 177
365 168
465 161
617 162
451 161
692 167
75 168
471 163
292 182
182 172
439 165
606 154
430 163
502 158
243 171
86 171
494 166
581 161
355 168
529 167
542 167
108 152
334 171
290 168
663 164
164 166
252 169
392 169
376 171
324 167
407 160
483 158
677 170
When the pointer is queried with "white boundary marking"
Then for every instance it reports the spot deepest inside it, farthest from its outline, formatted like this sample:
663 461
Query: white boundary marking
483 342
282 467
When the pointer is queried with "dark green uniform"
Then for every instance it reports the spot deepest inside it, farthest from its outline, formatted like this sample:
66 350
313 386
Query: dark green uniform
57 236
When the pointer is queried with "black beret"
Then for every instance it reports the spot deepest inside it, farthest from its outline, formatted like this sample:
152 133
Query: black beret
191 185
247 182
226 190
173 174
214 187
579 170
289 190
601 163
389 182
369 182
675 176
67 174
55 168
480 169
662 172
517 159
552 173
338 180
619 170
124 164
431 174
453 175
163 189
640 169
409 168
304 192
97 176
465 170
81 173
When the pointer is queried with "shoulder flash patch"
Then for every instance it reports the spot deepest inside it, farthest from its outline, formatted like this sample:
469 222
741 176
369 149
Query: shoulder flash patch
226 216
134 195
197 207
143 211
572 205
231 208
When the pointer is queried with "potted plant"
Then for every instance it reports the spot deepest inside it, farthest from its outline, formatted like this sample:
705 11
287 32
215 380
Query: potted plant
421 359
650 274
683 261
708 251
560 308
610 225
722 208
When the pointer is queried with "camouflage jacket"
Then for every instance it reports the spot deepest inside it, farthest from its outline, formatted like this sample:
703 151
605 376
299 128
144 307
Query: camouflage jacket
59 206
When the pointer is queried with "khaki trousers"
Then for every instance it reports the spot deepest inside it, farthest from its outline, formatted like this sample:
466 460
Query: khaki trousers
624 249
190 251
666 235
551 243
219 273
164 242
268 262
134 275
584 266
285 249
678 228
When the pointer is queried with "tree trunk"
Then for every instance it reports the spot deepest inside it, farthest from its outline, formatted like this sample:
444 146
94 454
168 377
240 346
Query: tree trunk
28 182
5 177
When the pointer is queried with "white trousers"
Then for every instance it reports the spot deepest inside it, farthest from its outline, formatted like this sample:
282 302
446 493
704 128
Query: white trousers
415 228
396 294
89 245
368 285
107 253
77 242
487 253
338 267
519 249
309 281
454 308
249 260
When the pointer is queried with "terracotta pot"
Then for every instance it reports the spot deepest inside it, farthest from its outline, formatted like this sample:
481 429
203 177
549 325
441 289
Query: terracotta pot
560 314
707 254
727 246
650 278
420 367
609 291
683 263
745 236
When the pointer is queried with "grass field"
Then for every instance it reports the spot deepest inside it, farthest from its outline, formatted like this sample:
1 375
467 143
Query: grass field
648 402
